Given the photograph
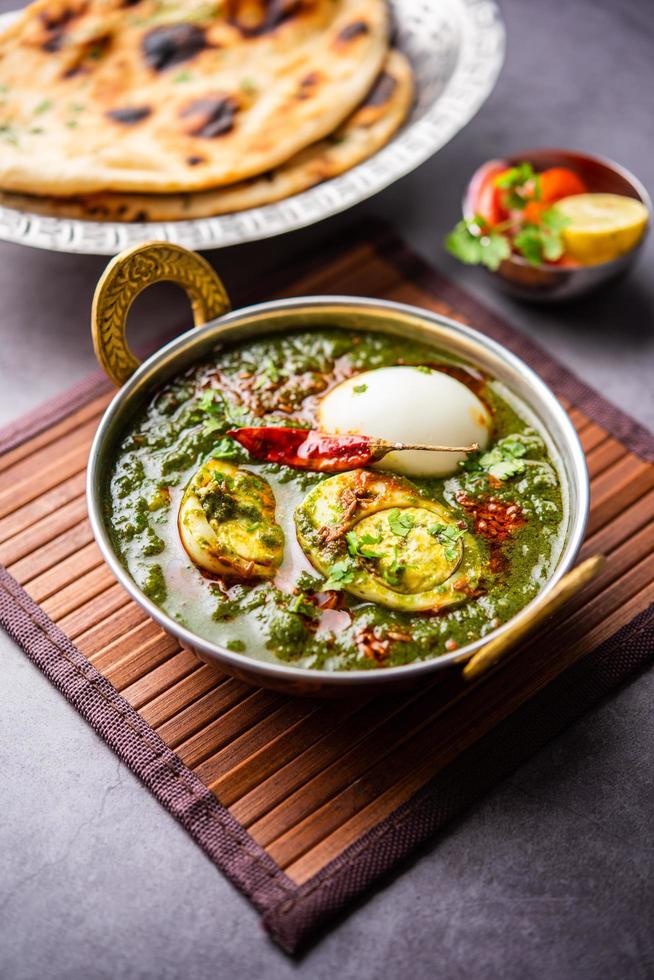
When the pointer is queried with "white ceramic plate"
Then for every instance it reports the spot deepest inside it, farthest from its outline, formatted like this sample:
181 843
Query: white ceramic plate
456 48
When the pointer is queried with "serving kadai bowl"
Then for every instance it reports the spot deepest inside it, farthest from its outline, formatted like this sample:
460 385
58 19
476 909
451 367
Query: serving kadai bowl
217 329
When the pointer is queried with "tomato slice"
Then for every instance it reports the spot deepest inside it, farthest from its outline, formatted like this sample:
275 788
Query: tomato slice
559 182
484 197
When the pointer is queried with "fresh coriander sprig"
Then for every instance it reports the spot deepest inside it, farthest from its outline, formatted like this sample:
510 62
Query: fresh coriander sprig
473 242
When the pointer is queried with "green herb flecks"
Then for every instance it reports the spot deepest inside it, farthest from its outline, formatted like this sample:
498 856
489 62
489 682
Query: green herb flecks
340 574
448 535
304 607
363 545
504 460
8 134
400 522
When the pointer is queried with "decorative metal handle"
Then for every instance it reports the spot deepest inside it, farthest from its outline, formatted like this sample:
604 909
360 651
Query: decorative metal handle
571 583
127 275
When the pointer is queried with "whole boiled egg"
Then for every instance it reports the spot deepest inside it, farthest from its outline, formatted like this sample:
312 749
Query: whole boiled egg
411 405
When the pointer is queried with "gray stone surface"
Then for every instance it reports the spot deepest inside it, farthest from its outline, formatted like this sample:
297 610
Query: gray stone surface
552 875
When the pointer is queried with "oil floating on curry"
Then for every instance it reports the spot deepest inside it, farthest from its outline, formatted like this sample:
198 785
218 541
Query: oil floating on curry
337 556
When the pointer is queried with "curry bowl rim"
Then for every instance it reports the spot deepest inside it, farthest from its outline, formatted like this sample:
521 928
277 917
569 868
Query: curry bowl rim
573 472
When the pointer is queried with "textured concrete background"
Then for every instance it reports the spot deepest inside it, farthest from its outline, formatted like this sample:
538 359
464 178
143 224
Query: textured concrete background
552 875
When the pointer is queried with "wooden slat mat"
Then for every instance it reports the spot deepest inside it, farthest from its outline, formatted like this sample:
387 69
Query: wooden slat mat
304 803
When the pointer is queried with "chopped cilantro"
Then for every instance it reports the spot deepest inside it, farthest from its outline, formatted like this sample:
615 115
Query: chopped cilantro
395 571
448 535
423 368
341 573
236 646
226 448
400 523
209 404
43 106
361 545
359 389
504 460
182 76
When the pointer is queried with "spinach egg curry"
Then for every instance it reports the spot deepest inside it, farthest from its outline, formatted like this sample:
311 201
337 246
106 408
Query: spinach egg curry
261 500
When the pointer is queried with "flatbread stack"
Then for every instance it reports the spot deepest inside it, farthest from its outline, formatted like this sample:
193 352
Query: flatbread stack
163 110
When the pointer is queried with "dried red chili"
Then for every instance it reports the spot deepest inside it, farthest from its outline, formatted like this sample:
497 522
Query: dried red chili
308 449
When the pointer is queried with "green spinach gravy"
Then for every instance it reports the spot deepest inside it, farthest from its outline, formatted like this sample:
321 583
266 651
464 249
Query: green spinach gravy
507 501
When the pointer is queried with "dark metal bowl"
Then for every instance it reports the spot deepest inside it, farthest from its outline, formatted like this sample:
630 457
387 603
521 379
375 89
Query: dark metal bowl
555 284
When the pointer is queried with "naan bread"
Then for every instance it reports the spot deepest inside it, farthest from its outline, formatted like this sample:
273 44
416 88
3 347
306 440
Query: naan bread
366 131
167 95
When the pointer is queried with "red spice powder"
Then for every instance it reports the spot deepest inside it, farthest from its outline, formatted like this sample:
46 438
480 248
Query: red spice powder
495 520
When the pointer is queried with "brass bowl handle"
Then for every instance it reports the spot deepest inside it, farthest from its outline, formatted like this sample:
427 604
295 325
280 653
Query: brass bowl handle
128 274
495 650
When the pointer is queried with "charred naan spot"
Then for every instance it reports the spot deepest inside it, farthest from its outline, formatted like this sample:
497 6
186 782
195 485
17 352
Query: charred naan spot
382 90
54 25
308 85
356 29
129 115
87 56
166 46
195 160
210 116
270 15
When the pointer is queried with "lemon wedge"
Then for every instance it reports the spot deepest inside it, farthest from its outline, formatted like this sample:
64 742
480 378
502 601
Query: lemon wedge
602 226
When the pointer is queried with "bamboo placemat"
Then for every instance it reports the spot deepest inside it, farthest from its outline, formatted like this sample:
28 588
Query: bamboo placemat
305 803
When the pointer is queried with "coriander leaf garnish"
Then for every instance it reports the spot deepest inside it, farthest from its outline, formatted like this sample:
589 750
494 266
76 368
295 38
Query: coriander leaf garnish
341 573
395 571
505 459
359 389
474 244
362 545
226 448
448 535
400 522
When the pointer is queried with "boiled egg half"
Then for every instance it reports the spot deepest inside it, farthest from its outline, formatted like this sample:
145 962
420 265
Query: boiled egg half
409 404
